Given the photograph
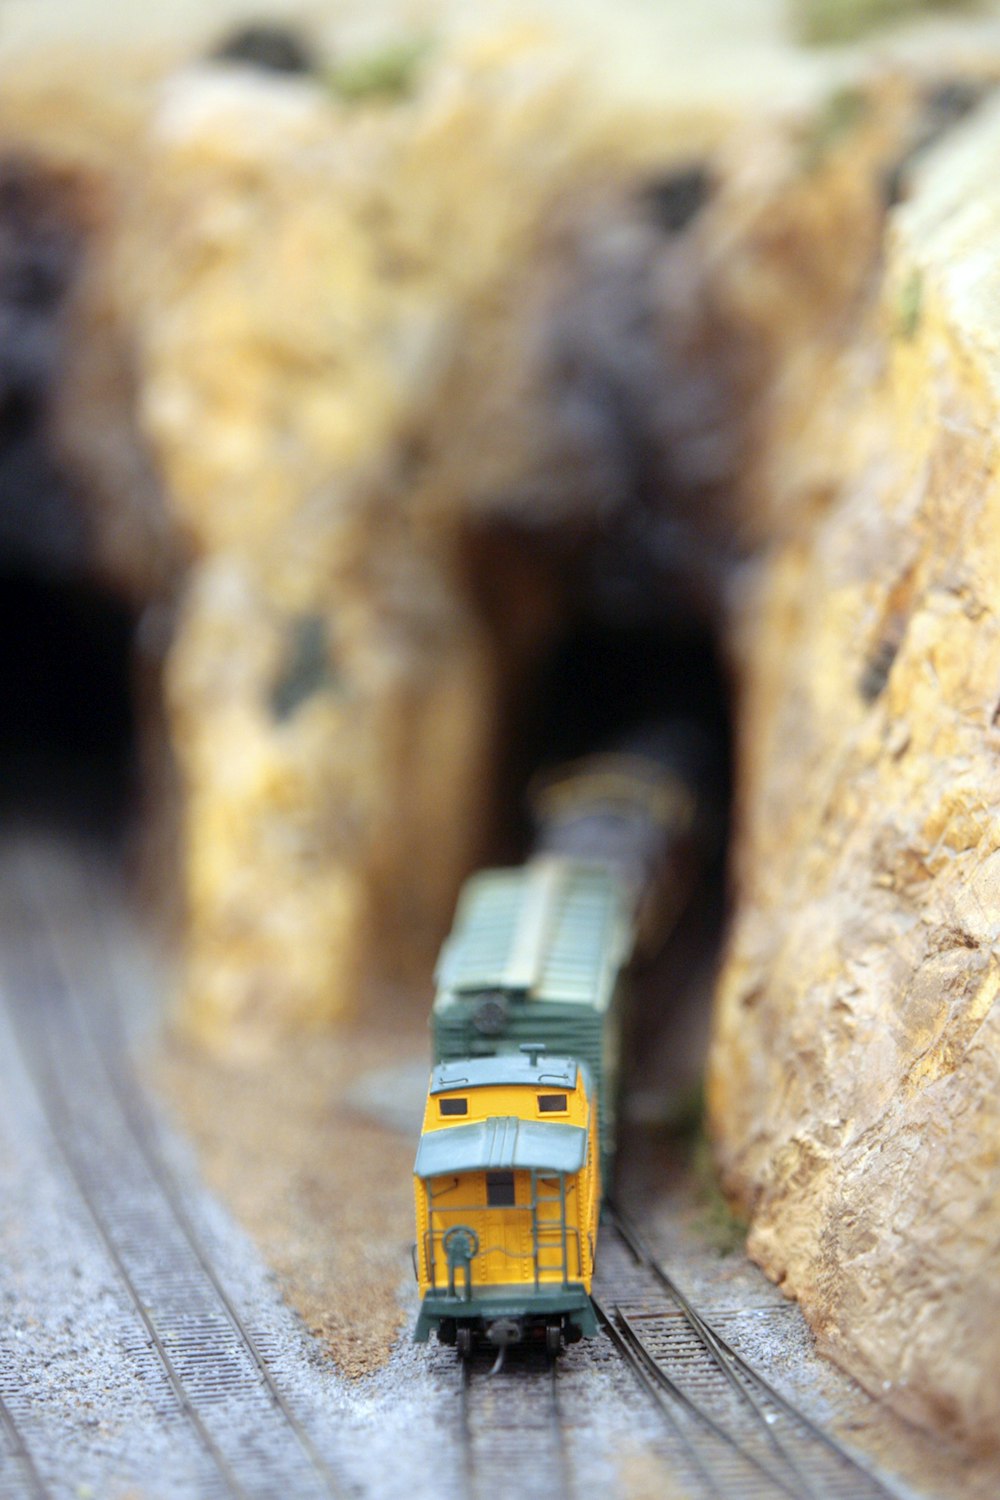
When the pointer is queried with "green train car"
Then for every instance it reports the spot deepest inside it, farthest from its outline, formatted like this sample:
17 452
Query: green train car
537 955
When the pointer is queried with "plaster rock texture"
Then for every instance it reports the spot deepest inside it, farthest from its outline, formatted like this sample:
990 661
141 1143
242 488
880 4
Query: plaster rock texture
317 294
854 1070
325 366
397 388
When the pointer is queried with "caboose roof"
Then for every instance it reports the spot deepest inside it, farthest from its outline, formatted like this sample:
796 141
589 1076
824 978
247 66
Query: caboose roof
502 1143
553 929
505 1068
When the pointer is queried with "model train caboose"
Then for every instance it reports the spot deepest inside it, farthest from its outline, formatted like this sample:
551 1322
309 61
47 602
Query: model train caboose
508 1194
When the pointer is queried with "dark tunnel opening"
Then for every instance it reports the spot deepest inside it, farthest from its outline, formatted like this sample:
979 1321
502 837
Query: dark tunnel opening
580 678
608 686
656 689
67 716
602 575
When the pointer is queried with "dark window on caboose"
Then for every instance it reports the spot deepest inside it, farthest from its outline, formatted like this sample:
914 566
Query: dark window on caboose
500 1189
551 1104
454 1106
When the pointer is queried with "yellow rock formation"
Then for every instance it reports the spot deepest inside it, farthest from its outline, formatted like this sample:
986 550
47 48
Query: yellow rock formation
303 277
854 1079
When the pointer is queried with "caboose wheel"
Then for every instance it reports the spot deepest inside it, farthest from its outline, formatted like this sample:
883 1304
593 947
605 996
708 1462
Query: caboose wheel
463 1342
553 1339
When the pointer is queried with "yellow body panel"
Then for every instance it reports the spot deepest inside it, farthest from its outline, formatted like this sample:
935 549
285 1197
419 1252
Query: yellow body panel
508 1235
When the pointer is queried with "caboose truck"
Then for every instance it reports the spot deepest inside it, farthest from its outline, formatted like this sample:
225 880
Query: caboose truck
507 1181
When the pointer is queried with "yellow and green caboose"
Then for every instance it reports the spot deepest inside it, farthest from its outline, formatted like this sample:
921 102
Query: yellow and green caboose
508 1190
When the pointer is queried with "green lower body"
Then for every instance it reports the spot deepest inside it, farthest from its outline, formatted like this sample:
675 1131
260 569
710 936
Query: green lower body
570 1305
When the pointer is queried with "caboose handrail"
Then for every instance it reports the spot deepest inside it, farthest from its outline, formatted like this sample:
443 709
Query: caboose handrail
494 1250
547 1235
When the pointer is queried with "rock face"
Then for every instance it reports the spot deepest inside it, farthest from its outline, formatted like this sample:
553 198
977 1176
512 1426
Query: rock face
350 388
341 321
316 276
854 1072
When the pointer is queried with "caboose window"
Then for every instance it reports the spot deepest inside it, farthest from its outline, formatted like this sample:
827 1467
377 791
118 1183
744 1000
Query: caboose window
550 1104
454 1106
500 1189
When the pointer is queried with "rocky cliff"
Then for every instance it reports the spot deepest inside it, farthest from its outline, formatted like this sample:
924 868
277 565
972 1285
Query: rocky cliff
854 1068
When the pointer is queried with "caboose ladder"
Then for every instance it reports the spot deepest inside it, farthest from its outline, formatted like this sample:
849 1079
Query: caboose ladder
547 1227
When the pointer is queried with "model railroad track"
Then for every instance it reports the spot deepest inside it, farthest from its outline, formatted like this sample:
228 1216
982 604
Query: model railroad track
514 1440
721 1430
197 1359
726 1430
18 1473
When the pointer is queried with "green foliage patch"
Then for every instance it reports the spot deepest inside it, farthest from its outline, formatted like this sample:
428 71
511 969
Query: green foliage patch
842 113
909 304
828 22
390 72
723 1229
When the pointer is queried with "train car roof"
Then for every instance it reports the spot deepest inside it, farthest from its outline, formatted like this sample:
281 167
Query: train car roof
555 929
503 1143
538 1070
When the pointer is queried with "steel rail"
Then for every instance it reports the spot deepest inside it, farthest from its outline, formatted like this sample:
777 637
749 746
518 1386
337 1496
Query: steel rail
465 1417
745 1392
22 1453
35 1047
107 1040
204 1350
661 1375
652 1388
558 1429
517 1390
745 1379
